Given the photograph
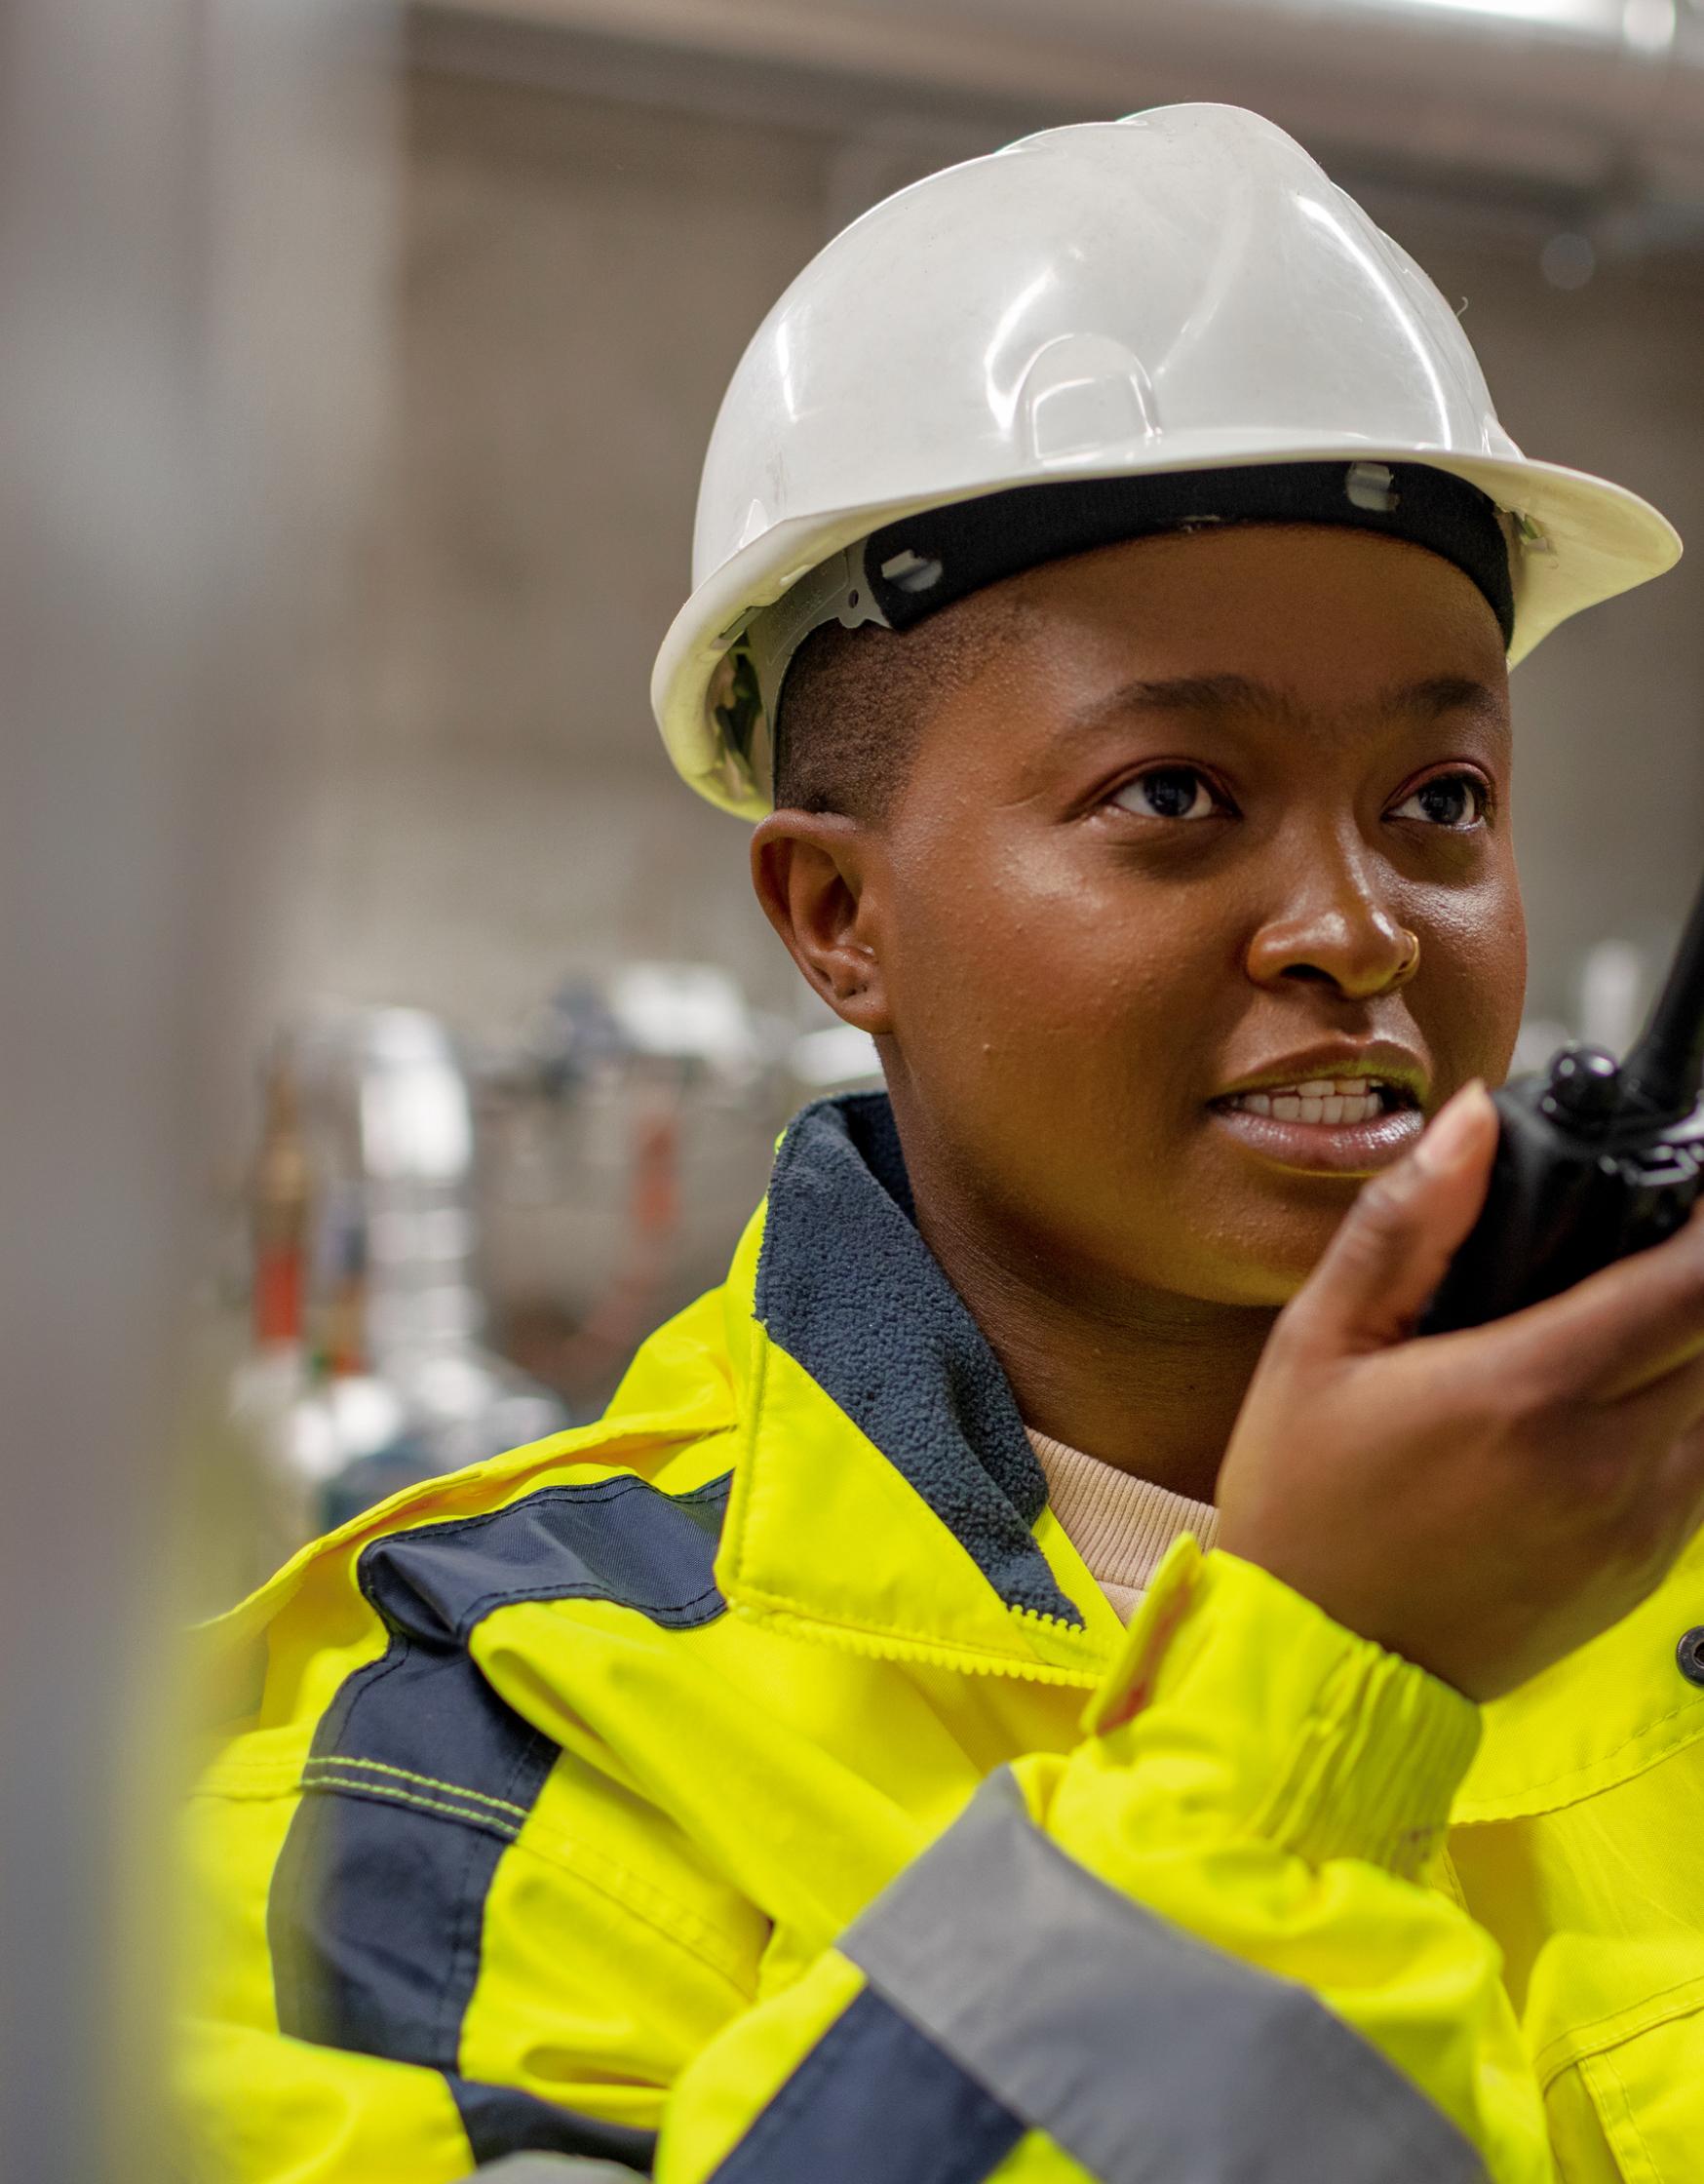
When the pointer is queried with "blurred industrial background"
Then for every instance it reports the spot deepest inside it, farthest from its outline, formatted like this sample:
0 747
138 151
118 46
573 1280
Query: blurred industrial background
388 1033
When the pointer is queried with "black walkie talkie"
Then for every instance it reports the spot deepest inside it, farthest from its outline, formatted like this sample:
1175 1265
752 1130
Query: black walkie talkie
1598 1160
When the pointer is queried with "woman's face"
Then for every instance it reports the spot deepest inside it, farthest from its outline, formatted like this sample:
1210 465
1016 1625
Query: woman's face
1160 868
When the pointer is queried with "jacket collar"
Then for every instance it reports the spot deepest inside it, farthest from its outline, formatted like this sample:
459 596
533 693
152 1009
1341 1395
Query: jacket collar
875 1420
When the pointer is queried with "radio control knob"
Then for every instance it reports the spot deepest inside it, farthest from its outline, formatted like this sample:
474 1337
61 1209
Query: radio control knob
1585 1085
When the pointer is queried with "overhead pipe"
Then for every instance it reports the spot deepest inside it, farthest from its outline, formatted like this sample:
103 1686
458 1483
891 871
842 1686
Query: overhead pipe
1594 109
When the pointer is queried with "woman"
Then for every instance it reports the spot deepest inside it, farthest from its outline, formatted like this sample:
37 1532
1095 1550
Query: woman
765 1783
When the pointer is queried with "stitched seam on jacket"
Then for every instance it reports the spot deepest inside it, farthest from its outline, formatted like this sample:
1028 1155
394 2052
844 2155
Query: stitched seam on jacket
1600 2035
898 1630
593 1869
286 1974
394 1793
493 1603
1519 1806
423 1782
232 1783
1606 2064
672 1920
924 1646
747 1470
469 1933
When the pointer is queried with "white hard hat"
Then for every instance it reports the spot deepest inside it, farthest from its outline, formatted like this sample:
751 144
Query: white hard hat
1179 293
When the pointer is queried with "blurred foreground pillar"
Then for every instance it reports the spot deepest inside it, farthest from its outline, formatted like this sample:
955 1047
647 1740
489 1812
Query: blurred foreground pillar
192 259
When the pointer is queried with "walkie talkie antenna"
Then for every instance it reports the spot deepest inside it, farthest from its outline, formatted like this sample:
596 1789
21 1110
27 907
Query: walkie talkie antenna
1665 1071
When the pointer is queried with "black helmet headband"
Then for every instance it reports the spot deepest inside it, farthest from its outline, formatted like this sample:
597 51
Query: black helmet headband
924 562
909 570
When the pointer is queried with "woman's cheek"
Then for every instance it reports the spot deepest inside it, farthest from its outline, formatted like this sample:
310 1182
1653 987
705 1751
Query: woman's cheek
1473 982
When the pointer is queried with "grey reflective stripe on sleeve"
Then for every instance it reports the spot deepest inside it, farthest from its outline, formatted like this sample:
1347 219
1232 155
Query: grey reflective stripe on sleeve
1145 2054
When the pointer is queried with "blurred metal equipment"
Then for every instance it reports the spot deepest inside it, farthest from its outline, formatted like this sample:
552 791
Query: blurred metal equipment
192 195
452 1253
627 1139
367 1371
1582 117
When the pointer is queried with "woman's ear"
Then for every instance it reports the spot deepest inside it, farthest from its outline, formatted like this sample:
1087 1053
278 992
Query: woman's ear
818 876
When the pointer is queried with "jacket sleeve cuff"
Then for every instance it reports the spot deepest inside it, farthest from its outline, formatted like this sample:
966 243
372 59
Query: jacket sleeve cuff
1324 1743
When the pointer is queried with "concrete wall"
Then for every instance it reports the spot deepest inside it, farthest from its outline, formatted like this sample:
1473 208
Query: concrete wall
490 805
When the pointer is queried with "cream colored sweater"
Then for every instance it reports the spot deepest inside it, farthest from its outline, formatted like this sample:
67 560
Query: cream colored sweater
1120 1525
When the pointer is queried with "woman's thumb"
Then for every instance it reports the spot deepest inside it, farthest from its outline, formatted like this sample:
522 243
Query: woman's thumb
1399 1235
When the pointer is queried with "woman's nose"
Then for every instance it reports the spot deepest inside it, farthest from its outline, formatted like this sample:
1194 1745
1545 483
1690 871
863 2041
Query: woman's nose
1349 940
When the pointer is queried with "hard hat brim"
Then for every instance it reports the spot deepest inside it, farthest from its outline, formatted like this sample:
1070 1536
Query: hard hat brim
1583 540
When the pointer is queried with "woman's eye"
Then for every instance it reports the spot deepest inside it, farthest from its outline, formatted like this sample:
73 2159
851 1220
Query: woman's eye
1458 801
1168 793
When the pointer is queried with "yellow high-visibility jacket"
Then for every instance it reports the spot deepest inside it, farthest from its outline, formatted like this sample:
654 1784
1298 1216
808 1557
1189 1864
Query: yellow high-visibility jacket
755 1786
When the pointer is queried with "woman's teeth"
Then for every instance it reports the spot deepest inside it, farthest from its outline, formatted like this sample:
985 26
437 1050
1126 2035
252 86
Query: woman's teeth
1344 1100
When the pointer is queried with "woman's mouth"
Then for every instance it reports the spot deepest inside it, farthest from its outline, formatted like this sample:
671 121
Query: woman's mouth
1350 1125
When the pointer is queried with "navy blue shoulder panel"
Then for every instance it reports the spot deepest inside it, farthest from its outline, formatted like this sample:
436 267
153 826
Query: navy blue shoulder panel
616 1539
848 1288
420 1775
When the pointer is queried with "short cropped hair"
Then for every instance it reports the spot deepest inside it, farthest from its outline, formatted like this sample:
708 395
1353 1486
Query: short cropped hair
854 701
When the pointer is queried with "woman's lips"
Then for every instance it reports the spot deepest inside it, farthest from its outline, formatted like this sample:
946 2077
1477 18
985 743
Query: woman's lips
1350 1127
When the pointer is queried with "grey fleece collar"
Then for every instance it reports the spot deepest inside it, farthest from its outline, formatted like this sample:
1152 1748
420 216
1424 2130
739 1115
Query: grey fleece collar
848 1288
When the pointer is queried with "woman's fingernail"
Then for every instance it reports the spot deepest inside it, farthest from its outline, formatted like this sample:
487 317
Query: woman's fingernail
1454 1139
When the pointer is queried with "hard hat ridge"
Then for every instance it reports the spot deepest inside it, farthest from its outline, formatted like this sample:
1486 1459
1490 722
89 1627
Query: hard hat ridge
1056 336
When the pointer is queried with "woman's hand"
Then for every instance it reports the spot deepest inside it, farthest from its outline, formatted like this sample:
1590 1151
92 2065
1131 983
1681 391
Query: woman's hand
1485 1501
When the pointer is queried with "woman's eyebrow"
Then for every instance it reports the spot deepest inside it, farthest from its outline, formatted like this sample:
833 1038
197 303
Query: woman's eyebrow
1218 694
1436 694
1188 693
